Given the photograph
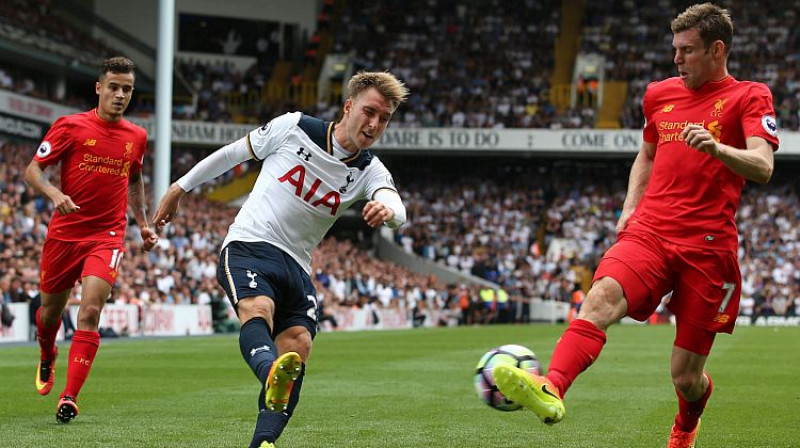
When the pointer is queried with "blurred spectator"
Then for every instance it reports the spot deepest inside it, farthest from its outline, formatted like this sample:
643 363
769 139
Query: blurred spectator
636 46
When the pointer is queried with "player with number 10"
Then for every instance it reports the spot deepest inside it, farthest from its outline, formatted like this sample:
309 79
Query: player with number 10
101 157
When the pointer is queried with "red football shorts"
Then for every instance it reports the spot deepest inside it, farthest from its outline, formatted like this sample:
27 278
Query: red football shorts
64 262
705 284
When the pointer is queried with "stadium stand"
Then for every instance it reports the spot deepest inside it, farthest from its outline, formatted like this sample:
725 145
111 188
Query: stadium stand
503 78
536 227
634 39
496 230
539 228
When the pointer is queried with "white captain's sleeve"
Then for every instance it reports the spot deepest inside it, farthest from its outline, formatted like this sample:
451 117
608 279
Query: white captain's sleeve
220 161
391 199
265 140
257 144
381 187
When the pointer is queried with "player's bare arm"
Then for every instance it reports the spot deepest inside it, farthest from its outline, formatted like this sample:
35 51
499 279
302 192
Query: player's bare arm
168 206
637 182
755 164
220 161
36 178
136 202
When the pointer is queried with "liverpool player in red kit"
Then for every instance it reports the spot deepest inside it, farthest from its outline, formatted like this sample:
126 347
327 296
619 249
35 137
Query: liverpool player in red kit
705 134
101 162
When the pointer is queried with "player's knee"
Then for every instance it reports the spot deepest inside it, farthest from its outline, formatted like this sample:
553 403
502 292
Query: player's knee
252 307
49 316
295 339
689 385
604 305
89 317
303 342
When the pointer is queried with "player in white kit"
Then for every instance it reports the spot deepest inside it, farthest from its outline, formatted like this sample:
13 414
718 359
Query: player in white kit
312 172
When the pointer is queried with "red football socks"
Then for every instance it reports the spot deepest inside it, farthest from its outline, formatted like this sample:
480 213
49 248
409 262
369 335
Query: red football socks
578 348
81 356
689 412
47 336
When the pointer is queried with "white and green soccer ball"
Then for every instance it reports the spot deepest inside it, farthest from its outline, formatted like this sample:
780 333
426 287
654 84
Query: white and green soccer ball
515 355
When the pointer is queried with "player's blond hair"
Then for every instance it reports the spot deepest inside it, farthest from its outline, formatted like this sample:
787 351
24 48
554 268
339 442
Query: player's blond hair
713 23
384 82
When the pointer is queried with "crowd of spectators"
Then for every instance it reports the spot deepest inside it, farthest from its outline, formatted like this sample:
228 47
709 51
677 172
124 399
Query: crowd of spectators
636 41
540 229
535 229
496 220
178 270
488 64
216 83
181 268
473 64
32 23
769 219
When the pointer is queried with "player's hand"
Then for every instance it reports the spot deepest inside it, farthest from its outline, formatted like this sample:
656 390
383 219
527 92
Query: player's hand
168 207
63 204
149 238
698 137
623 219
376 213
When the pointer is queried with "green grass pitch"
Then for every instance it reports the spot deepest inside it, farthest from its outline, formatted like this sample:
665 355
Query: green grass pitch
406 389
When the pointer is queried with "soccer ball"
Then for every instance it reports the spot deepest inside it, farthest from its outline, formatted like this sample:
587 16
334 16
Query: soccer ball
515 355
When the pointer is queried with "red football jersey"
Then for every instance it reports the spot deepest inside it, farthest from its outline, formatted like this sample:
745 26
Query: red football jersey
692 198
97 158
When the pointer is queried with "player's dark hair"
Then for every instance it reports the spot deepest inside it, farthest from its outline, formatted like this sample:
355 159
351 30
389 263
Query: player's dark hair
713 23
117 64
384 82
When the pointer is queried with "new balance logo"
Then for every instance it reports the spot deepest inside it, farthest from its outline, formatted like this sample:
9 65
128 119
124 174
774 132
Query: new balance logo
302 153
259 349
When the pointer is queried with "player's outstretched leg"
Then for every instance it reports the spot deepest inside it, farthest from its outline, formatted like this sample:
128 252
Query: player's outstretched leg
278 399
67 409
534 392
683 439
578 348
687 421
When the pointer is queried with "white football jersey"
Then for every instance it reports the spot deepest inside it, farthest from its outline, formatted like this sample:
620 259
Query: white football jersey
302 188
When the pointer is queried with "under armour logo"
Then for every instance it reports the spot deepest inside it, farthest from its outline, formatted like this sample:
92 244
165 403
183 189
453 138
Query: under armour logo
349 181
252 276
259 349
302 153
